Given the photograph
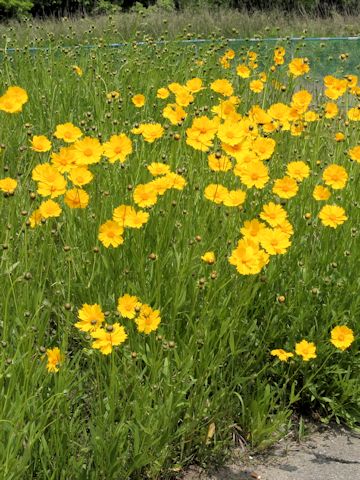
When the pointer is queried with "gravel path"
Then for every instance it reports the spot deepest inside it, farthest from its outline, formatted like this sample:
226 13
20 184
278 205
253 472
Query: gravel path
326 454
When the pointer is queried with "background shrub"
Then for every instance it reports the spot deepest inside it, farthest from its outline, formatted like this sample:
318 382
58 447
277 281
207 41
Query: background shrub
11 8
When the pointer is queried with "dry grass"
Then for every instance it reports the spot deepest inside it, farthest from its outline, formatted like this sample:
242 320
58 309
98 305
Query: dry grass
202 23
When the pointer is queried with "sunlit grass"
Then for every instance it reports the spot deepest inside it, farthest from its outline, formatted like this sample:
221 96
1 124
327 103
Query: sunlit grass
161 400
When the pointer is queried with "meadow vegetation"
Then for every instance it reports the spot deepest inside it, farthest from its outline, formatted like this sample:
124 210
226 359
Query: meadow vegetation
169 25
179 245
19 8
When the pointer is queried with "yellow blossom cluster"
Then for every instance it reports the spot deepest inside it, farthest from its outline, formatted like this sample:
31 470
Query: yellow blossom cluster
105 335
341 337
242 142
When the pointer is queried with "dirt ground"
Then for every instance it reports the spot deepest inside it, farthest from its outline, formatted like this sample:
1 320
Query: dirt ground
328 453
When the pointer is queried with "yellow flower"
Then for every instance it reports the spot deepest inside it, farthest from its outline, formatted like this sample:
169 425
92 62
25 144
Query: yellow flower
230 54
270 127
162 184
80 176
53 188
254 174
297 128
118 148
88 151
205 126
158 168
148 319
342 337
259 116
253 229
335 87
279 51
339 137
230 133
273 214
248 258
299 66
137 219
8 185
183 97
234 198
354 113
256 86
282 355
64 160
50 209
67 132
321 193
77 70
335 176
51 182
162 93
138 100
219 163
110 234
174 113
352 80
175 181
279 111
223 87
243 71
76 198
114 95
175 87
301 100
252 55
332 216
13 100
331 110
239 151
285 187
209 257
263 147
226 110
216 193
54 359
285 227
151 131
197 141
40 143
121 214
144 195
108 337
194 85
306 350
311 116
35 218
224 61
354 153
274 242
298 170
128 306
91 317
201 133
279 54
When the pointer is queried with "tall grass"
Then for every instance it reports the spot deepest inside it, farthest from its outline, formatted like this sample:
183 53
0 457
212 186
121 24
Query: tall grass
178 395
189 23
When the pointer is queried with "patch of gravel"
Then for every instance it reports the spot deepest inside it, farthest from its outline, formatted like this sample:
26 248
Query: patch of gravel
328 453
